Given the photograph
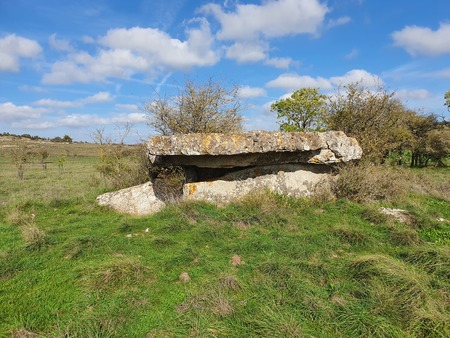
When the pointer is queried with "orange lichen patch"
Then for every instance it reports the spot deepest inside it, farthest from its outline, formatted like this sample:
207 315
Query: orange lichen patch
191 188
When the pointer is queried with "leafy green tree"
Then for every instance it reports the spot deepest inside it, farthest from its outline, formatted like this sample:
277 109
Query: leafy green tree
210 107
420 145
447 99
67 138
304 110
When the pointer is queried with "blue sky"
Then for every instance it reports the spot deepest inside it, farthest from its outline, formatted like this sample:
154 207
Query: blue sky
71 67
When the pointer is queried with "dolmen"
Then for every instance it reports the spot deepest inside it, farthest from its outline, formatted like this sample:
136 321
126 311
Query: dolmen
222 168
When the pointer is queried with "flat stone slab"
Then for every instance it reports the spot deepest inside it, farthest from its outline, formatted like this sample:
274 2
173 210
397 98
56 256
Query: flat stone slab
297 182
252 148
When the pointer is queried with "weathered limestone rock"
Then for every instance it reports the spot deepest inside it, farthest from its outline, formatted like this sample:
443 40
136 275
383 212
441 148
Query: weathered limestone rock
252 149
138 200
297 181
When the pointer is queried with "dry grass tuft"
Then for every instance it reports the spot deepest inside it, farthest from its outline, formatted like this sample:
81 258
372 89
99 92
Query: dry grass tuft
350 235
184 277
230 283
405 236
34 237
117 271
22 333
366 182
236 260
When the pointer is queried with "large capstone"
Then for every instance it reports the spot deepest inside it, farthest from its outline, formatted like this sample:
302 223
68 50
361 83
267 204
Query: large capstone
252 149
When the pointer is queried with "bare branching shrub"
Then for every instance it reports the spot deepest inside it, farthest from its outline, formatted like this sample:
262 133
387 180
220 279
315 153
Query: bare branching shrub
206 108
43 155
121 165
19 153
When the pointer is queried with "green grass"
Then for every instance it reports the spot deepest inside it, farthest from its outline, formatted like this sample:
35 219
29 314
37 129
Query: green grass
69 268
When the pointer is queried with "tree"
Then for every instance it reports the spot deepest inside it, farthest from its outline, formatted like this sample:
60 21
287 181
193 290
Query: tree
304 110
419 127
67 138
375 118
19 153
447 100
206 108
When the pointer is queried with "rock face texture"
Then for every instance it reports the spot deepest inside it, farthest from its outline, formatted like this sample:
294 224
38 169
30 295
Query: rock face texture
222 168
139 200
252 149
291 179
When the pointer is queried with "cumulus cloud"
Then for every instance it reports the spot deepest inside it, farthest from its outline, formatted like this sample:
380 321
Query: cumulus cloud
9 112
88 120
338 22
357 75
129 107
292 81
251 26
273 18
418 40
59 44
352 54
12 48
100 97
282 63
414 94
244 52
246 92
126 52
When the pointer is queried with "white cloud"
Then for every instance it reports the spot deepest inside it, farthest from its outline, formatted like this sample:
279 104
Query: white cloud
273 18
282 63
352 54
100 97
357 75
443 73
158 47
84 68
338 22
59 44
126 52
292 81
244 52
414 94
10 112
423 40
246 92
96 98
129 107
89 120
12 48
35 89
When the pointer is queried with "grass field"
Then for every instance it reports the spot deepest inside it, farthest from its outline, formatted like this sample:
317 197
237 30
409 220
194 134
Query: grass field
267 266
